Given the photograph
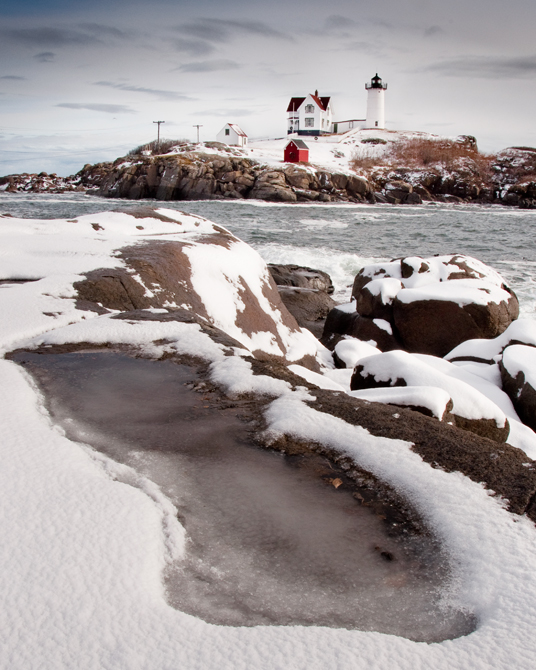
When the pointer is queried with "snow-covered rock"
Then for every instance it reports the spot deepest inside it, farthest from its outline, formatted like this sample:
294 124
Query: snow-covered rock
435 303
518 371
471 408
522 331
112 261
429 400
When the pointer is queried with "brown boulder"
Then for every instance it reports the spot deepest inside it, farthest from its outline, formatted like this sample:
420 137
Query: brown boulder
437 326
308 306
351 324
303 277
162 274
358 185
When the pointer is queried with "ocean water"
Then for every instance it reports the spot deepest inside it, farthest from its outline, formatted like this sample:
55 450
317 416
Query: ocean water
342 238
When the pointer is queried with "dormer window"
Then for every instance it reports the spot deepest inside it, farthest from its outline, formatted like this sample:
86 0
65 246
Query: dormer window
309 109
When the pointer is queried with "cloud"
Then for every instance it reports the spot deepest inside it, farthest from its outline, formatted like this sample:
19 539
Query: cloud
96 107
161 94
209 66
338 22
12 77
367 47
49 37
193 47
221 30
224 112
433 30
99 29
45 57
487 67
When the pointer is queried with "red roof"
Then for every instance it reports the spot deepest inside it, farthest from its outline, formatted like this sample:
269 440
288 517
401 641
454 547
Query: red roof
321 102
295 103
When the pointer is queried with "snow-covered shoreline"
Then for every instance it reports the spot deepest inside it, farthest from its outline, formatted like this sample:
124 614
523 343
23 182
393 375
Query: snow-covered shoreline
86 542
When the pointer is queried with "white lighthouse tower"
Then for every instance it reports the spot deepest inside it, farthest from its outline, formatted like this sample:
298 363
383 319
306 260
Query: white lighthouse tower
376 103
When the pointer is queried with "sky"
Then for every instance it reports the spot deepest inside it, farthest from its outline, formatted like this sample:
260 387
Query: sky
83 82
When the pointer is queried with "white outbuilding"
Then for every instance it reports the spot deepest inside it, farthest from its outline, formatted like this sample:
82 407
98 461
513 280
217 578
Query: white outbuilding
232 135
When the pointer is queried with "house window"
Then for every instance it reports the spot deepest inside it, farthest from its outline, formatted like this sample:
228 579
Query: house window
309 109
309 122
227 132
376 124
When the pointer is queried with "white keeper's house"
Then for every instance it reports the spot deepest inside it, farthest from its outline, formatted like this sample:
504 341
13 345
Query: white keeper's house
312 115
232 135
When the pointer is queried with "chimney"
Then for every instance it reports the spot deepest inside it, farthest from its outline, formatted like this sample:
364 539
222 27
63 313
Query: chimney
316 93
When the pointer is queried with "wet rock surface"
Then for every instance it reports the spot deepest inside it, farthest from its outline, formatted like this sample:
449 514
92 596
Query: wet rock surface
305 292
299 537
308 306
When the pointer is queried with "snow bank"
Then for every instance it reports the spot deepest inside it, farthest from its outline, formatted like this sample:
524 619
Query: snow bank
352 350
429 397
460 291
418 370
522 331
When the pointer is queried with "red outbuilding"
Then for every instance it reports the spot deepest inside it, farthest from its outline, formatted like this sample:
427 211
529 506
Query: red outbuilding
296 151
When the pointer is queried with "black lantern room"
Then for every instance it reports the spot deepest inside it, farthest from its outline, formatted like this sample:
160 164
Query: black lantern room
376 82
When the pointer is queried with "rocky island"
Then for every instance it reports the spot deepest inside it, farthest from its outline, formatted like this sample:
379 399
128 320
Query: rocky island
365 166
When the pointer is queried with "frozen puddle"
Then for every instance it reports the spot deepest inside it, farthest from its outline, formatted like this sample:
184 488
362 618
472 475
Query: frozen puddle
269 540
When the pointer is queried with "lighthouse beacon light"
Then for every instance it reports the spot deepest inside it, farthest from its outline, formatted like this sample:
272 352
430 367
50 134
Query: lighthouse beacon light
375 103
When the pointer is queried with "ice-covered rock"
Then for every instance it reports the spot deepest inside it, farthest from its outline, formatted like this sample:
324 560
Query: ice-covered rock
302 277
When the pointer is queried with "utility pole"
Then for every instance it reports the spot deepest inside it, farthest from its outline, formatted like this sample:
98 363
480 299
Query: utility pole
198 126
158 140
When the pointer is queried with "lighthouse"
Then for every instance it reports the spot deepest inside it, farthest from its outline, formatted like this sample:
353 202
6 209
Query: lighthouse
376 103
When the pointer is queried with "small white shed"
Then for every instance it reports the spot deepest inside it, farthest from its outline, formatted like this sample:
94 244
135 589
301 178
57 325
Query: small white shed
232 135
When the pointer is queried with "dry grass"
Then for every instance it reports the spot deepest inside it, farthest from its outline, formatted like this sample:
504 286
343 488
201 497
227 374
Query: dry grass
421 153
155 148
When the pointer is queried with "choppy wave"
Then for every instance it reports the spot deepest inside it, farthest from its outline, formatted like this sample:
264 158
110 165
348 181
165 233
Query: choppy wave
341 238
